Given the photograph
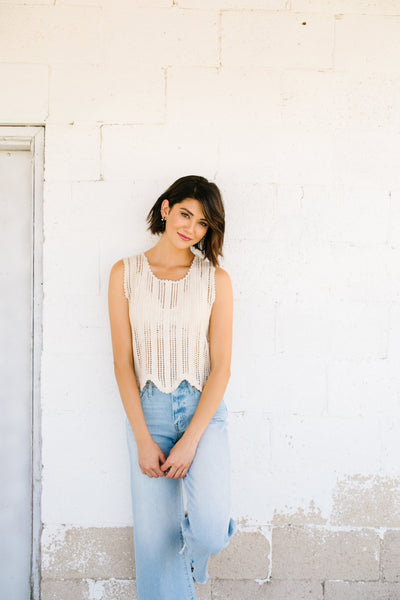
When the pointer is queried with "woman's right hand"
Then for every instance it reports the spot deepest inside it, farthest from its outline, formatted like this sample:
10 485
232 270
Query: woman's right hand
151 457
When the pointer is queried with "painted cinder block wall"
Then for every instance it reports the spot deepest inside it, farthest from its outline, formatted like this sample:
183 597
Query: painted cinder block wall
293 108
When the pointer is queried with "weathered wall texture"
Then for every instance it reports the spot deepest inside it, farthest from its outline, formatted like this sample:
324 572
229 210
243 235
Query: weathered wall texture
293 108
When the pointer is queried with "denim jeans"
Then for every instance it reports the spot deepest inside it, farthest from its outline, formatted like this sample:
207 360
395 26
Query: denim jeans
170 548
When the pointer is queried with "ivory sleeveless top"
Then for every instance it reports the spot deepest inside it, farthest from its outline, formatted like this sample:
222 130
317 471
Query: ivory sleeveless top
170 323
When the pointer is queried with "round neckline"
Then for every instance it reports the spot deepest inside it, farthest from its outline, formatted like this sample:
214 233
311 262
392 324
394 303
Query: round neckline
146 260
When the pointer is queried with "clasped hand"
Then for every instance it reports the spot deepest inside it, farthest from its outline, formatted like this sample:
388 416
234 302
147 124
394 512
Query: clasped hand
153 462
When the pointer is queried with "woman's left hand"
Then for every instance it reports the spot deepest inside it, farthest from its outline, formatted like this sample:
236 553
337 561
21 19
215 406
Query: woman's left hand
179 459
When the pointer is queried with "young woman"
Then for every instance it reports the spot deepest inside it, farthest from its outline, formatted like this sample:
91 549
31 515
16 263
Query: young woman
171 326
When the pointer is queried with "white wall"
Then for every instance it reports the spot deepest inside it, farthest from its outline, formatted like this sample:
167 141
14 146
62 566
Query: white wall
292 108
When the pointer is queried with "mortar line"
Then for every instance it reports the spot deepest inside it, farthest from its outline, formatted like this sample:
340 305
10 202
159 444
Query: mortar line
334 42
220 39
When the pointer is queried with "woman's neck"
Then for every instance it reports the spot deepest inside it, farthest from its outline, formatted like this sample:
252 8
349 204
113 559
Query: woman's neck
167 256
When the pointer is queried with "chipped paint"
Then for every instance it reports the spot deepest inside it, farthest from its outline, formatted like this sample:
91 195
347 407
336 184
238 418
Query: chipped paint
301 516
53 539
92 552
360 500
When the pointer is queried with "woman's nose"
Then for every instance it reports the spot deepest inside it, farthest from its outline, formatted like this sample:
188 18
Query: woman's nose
190 226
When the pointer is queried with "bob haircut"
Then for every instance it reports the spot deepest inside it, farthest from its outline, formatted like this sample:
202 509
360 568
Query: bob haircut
209 196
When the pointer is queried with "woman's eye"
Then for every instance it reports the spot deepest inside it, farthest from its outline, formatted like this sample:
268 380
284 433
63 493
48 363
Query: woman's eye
204 224
184 214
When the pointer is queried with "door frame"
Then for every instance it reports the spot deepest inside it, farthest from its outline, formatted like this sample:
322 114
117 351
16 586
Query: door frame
24 137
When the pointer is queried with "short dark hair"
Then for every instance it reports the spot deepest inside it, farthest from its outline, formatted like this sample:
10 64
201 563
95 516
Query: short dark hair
208 194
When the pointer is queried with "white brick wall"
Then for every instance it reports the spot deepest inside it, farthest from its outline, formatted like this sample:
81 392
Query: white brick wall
18 81
160 36
111 91
367 43
278 40
51 34
293 108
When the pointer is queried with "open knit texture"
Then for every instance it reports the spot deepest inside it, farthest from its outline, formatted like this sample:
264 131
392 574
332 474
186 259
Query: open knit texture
170 323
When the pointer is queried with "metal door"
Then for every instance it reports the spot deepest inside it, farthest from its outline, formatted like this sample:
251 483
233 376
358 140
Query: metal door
20 299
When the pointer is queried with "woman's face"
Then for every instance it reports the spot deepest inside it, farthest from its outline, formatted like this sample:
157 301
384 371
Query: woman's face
185 222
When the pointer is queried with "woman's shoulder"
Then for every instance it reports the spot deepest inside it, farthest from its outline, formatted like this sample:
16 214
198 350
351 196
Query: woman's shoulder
135 256
117 267
121 271
223 284
119 264
222 274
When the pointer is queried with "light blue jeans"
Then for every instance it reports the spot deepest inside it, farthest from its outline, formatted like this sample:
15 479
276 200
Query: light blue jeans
171 549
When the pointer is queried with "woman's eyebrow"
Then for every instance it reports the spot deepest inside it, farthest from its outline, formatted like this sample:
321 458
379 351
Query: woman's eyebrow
190 213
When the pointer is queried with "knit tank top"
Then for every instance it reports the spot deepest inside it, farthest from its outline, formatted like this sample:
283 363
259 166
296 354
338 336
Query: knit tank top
170 323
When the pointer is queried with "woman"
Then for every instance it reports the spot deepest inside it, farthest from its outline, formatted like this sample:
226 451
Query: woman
171 327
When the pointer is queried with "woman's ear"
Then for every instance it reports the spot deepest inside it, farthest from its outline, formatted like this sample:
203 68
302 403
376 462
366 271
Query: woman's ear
164 207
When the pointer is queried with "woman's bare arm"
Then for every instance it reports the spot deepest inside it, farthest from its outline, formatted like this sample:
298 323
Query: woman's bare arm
220 342
150 454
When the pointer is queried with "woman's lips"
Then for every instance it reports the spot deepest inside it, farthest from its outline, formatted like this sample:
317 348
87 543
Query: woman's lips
186 239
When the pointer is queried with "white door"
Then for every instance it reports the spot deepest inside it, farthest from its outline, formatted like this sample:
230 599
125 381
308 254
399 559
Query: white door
18 370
